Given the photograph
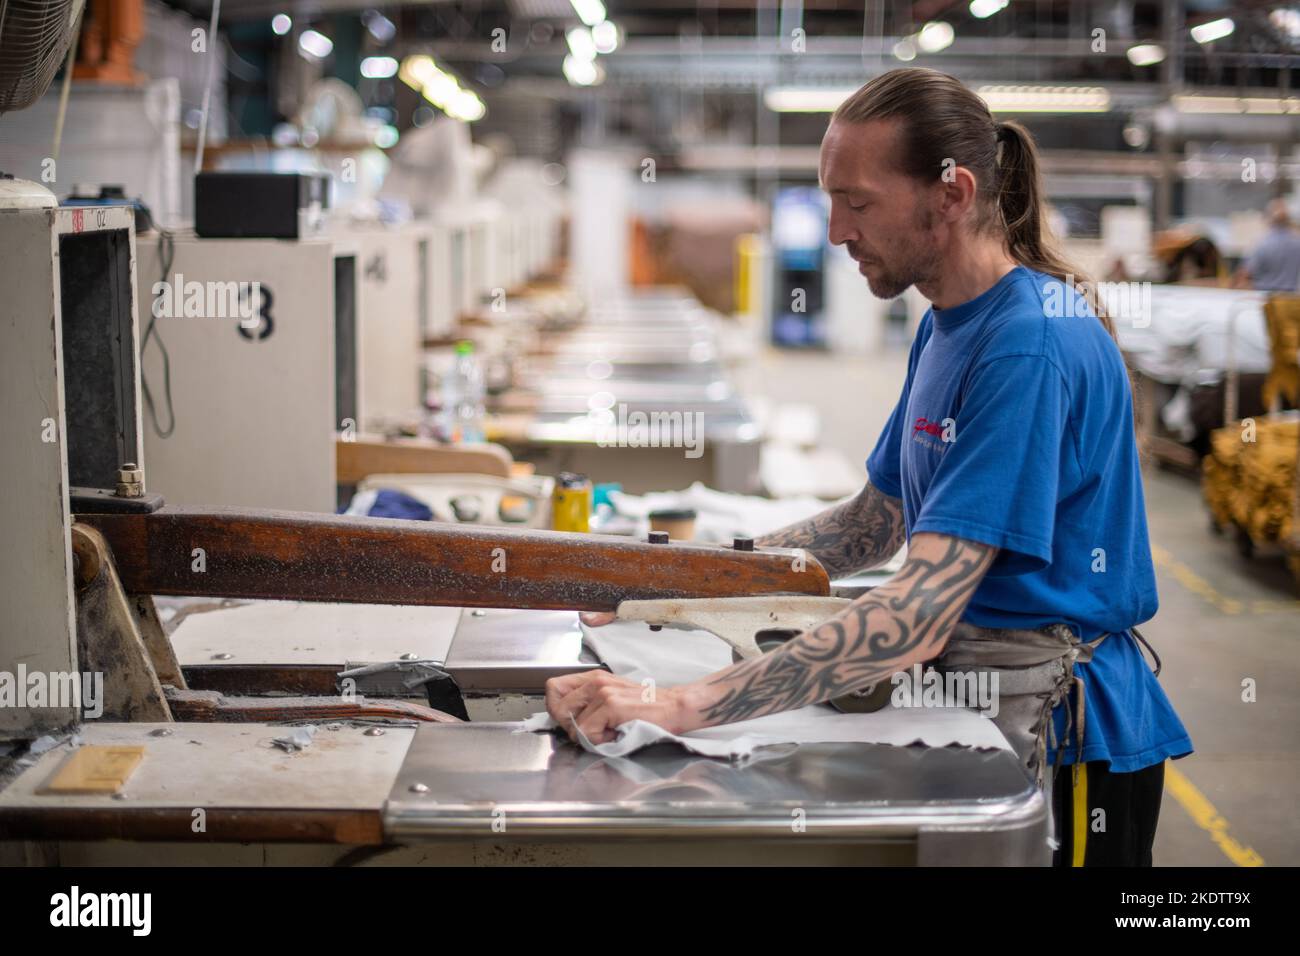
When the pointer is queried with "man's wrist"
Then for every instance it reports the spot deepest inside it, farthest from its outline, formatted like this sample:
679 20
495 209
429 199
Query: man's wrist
690 701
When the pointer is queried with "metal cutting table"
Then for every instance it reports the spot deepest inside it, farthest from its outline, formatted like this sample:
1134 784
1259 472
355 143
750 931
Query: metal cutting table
457 793
870 803
481 791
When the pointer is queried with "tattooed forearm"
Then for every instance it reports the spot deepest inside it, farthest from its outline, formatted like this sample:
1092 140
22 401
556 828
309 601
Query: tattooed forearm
887 630
851 536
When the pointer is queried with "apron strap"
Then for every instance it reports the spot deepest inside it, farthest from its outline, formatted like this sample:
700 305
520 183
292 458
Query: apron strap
1145 643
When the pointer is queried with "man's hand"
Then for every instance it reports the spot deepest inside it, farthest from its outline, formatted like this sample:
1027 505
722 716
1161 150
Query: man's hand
599 703
597 618
904 621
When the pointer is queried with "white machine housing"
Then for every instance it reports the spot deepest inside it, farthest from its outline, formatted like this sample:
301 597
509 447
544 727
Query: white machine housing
397 298
71 401
460 258
258 402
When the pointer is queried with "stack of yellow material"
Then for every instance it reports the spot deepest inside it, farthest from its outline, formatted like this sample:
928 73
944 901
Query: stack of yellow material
1251 484
1282 316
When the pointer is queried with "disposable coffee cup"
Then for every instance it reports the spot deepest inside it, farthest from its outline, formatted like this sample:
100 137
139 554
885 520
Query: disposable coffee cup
678 522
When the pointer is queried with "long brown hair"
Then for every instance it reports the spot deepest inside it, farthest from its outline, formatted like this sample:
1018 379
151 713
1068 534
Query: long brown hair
942 123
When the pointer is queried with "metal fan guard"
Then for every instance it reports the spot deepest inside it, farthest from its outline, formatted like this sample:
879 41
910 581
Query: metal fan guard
34 38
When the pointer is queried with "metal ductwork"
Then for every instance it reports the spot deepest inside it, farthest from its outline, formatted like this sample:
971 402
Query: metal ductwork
1238 127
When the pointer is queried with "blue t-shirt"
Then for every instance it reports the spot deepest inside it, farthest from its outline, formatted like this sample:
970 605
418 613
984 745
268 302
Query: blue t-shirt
1015 429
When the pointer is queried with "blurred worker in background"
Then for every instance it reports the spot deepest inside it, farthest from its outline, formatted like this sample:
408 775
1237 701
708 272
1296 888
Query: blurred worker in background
1274 266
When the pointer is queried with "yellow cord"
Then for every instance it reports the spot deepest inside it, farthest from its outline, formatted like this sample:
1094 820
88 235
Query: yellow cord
1080 798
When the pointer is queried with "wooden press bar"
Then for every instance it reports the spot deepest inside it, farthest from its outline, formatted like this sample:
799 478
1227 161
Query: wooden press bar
311 557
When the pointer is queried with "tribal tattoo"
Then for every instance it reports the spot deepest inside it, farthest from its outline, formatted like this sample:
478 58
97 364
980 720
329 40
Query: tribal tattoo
902 622
854 535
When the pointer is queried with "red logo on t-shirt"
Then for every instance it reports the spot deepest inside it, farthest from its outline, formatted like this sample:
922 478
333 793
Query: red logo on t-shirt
933 428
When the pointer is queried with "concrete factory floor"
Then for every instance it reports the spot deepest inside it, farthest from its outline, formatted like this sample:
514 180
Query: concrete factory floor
1223 619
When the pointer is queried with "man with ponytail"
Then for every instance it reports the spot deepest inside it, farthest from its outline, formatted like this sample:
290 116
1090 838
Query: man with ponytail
1008 468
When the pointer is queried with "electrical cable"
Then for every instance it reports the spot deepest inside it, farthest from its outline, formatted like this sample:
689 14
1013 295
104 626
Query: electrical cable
75 24
166 254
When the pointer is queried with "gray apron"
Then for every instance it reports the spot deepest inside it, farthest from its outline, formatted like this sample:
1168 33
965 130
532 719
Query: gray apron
1035 671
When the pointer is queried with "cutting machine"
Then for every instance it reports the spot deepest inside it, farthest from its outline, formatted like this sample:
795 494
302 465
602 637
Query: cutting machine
271 773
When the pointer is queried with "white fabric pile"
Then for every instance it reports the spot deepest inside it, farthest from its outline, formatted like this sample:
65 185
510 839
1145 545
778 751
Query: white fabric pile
673 656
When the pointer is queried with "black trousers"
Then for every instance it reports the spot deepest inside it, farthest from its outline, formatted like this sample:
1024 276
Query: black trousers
1104 818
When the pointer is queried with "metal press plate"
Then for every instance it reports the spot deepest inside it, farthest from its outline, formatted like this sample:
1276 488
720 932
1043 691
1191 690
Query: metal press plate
458 780
509 650
305 632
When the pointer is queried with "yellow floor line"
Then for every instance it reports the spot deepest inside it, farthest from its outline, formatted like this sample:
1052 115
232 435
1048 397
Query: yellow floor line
1193 581
1269 606
1208 818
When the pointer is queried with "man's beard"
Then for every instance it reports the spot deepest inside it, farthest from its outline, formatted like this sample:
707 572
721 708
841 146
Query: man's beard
916 261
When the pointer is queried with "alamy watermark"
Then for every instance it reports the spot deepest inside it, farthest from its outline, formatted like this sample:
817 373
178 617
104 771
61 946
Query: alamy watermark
181 299
53 689
926 687
639 429
130 910
1128 302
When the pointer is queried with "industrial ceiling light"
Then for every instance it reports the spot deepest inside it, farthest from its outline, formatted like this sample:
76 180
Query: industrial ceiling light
1045 99
1214 30
416 71
581 45
605 35
315 45
378 67
1146 54
379 26
581 72
441 88
935 36
905 50
1286 20
465 105
786 99
589 12
281 24
983 9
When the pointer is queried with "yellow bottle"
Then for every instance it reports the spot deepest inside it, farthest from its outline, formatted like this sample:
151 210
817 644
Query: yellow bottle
571 503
